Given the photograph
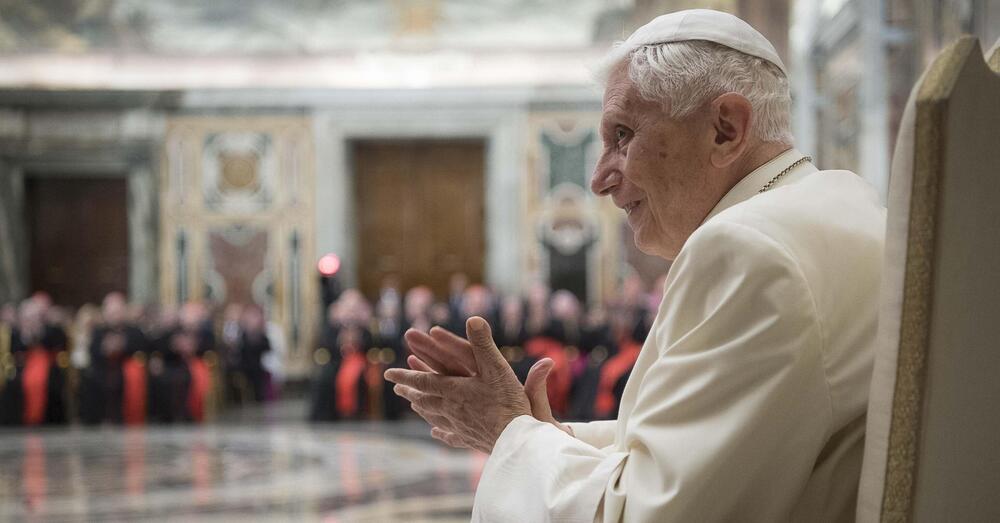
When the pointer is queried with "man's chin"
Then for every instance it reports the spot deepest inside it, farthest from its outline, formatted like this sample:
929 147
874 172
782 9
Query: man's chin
643 246
652 249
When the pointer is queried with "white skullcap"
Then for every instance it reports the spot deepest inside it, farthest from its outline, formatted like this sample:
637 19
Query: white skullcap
701 24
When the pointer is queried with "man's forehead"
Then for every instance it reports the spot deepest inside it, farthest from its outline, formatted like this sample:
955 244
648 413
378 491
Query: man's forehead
619 89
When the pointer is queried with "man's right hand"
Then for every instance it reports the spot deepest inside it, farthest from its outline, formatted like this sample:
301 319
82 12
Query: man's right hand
445 353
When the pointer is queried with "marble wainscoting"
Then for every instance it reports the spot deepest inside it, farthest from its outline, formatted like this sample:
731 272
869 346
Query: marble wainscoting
227 472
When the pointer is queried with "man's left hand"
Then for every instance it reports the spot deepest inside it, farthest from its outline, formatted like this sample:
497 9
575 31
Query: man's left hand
466 411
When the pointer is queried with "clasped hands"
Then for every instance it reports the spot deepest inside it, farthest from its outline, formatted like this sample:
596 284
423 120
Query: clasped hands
465 389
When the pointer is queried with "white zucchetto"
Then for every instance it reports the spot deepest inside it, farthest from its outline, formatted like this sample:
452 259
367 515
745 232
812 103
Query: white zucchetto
701 24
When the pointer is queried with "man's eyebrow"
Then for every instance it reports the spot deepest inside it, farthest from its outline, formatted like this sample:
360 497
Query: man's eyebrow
613 112
610 118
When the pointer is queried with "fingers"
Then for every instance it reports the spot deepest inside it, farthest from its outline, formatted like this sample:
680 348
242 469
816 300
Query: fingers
422 345
423 400
411 394
425 382
449 339
444 359
456 346
434 419
426 405
537 375
416 363
488 358
478 331
535 387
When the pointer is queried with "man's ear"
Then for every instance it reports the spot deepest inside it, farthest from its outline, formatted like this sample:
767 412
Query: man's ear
731 115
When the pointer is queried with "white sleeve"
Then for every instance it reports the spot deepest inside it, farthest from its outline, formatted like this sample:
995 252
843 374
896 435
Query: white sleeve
725 423
599 434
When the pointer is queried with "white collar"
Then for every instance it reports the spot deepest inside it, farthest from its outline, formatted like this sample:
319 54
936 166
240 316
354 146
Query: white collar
752 183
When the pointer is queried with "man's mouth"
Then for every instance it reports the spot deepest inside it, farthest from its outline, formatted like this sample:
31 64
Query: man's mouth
631 206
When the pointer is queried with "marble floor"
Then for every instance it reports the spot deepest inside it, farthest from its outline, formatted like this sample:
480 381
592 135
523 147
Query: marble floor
250 467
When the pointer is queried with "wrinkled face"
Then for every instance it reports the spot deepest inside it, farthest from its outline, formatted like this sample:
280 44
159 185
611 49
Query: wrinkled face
653 167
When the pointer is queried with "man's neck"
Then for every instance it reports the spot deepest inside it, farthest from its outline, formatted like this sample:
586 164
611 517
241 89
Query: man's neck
758 156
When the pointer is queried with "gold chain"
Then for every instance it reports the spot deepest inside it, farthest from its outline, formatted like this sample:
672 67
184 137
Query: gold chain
774 180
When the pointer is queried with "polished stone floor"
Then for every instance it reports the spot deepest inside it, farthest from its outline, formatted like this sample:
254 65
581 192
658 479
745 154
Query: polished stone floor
251 467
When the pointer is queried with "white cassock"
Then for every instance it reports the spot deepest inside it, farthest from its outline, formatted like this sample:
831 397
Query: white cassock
747 402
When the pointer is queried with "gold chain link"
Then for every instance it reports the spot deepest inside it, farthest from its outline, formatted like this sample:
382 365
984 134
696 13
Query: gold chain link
774 180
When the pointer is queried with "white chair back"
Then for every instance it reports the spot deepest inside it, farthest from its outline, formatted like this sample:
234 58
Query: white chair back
932 450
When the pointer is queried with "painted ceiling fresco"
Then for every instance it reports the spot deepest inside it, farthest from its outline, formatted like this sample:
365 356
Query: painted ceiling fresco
301 27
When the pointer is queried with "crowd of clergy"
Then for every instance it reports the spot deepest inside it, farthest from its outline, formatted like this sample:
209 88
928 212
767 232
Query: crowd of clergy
128 364
125 363
594 348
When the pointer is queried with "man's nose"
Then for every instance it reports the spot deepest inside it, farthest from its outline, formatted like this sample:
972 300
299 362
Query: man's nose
606 176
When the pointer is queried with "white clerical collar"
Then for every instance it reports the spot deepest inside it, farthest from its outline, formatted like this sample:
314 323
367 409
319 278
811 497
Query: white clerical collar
752 183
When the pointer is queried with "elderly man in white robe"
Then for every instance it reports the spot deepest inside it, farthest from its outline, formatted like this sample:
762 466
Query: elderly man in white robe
747 402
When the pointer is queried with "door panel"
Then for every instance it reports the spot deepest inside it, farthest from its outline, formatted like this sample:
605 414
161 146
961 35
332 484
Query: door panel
420 211
78 230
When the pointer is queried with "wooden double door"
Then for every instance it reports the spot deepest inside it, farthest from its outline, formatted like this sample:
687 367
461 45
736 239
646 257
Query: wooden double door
420 212
78 237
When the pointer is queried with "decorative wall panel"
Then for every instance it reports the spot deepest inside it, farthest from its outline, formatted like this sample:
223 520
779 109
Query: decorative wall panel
237 267
239 171
238 219
572 239
567 229
568 153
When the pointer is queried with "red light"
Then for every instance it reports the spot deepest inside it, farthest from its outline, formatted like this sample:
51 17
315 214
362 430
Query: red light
329 264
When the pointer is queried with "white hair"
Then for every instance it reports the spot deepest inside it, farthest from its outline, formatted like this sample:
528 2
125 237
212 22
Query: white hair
685 75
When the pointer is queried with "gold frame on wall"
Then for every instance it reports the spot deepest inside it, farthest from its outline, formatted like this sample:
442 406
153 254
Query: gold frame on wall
291 209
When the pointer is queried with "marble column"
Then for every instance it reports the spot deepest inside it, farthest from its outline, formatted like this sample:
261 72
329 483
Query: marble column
12 282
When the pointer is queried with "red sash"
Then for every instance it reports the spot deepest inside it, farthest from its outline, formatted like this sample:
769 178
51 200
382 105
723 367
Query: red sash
201 381
133 391
611 372
560 378
35 383
352 367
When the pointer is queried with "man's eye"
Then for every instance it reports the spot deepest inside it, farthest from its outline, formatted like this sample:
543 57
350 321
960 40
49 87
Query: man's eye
620 134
